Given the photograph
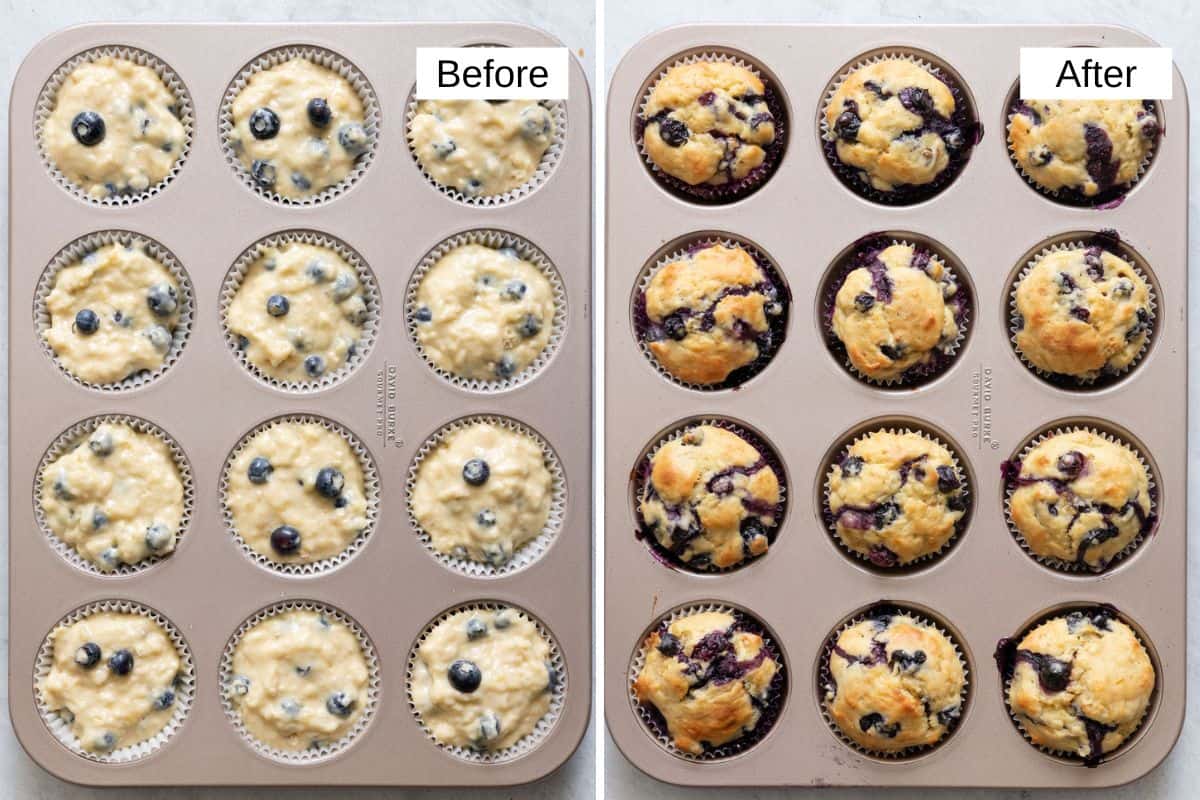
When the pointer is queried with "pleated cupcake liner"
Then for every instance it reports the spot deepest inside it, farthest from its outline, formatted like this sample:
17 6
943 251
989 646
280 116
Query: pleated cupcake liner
544 727
528 552
328 749
778 324
46 103
366 280
526 251
75 435
322 57
371 492
184 685
642 478
71 255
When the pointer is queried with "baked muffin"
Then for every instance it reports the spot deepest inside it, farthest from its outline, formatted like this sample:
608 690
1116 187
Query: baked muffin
1082 150
895 498
483 313
710 680
897 131
482 493
711 124
1079 498
898 314
713 317
1082 312
299 680
481 148
113 678
296 493
1079 683
483 679
113 314
298 313
114 130
298 128
115 496
895 682
711 499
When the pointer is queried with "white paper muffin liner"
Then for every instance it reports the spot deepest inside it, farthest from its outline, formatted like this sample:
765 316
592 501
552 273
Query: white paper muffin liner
71 255
779 685
545 167
366 280
532 740
527 251
1103 379
372 121
329 749
765 263
46 104
830 521
184 686
641 473
75 434
1074 567
371 491
527 553
824 676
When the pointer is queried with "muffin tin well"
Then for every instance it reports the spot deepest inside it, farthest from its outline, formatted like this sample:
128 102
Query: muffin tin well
206 217
986 404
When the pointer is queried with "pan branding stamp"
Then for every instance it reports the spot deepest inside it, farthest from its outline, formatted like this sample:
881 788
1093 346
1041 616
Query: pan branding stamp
981 408
385 406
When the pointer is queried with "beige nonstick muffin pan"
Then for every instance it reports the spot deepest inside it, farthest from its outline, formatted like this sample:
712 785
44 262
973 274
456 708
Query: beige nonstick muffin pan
807 406
388 218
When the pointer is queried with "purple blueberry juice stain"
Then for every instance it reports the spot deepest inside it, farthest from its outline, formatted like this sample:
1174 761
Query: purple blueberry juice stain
1100 166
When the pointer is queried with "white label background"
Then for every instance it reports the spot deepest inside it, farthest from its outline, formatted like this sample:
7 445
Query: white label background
1041 67
554 59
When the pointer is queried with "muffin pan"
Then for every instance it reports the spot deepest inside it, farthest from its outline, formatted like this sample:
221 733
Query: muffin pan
392 402
986 403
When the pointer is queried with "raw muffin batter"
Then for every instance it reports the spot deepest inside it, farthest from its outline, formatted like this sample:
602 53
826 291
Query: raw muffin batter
482 679
299 680
1081 683
708 679
298 128
896 312
1082 312
115 496
296 493
1081 498
710 498
1084 146
113 314
113 677
483 313
482 493
114 129
895 497
711 313
299 312
481 148
895 682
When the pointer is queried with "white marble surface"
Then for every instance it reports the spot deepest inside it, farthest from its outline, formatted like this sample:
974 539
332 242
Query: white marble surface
1172 23
22 24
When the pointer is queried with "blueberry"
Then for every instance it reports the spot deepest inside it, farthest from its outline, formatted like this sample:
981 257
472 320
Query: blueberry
88 655
1148 123
464 676
303 670
957 502
423 314
278 305
535 122
476 628
61 489
290 707
162 299
875 720
906 661
160 338
846 126
264 123
121 662
87 322
1041 155
1065 282
851 466
158 536
242 342
285 539
892 352
110 557
501 620
106 741
529 326
340 704
948 479
489 726
88 128
341 501
486 518
353 138
301 181
314 366
260 470
552 677
1054 675
164 700
668 643
673 132
101 443
317 271
476 472
445 148
885 515
1070 464
751 528
239 686
263 173
513 290
675 327
344 285
329 482
318 112
99 519
505 367
916 100
954 139
864 301
1123 288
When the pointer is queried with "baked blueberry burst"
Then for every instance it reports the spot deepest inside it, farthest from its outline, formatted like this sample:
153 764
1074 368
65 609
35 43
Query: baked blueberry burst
710 498
710 682
714 317
1078 683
